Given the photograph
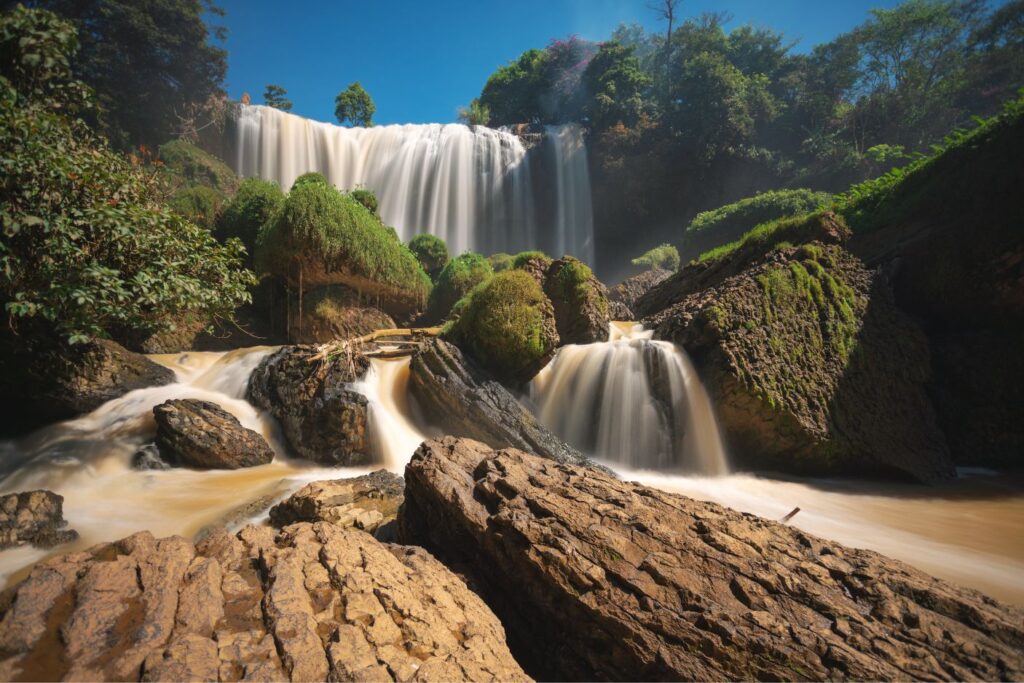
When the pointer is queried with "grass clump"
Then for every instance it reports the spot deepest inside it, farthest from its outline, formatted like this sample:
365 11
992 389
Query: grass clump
525 257
768 236
507 325
249 210
663 256
501 261
457 278
432 253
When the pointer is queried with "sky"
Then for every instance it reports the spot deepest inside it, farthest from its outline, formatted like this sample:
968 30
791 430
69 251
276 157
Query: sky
421 60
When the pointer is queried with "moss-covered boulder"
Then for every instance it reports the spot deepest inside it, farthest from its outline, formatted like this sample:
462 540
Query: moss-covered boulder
579 299
457 278
334 312
432 253
623 296
501 261
249 210
186 165
321 237
507 325
535 263
812 367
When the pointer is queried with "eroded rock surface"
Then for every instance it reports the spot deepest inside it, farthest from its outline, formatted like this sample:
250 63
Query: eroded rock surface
463 401
580 301
201 434
367 502
35 517
597 578
312 603
323 418
623 296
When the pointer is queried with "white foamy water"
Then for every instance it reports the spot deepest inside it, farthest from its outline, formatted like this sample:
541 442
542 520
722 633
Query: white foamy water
471 186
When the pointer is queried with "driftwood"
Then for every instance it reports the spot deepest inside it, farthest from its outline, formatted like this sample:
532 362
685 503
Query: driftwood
350 346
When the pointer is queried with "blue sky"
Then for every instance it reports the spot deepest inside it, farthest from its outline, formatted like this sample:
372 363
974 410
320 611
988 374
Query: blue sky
421 59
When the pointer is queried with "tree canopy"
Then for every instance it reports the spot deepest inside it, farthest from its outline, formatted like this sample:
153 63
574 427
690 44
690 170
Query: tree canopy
355 106
277 97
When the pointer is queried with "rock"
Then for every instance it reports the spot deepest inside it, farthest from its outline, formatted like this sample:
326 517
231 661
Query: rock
334 312
314 602
323 418
623 296
35 517
201 434
455 395
580 301
368 502
148 458
811 367
600 579
40 386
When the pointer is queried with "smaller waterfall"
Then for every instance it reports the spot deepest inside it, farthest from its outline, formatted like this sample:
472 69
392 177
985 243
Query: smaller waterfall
393 435
631 401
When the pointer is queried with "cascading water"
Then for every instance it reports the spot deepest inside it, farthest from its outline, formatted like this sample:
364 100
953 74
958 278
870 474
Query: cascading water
471 186
631 401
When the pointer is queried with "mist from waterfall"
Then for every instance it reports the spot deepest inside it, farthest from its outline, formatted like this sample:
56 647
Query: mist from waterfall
474 187
631 401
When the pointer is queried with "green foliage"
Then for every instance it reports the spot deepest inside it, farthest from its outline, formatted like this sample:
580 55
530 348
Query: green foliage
457 278
615 85
152 63
432 253
187 165
249 210
87 250
768 236
277 97
512 93
572 281
354 104
524 257
476 114
663 256
366 198
334 239
199 204
501 261
507 325
311 177
35 50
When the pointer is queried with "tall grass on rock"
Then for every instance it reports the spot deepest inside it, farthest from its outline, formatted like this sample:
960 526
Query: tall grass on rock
459 276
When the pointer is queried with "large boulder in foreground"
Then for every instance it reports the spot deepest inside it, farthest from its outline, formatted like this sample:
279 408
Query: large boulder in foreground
312 396
312 603
580 301
600 579
811 366
201 434
368 502
456 396
35 517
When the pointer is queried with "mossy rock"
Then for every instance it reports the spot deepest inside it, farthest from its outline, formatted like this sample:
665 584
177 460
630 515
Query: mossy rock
249 210
535 263
321 236
579 299
432 253
457 278
198 203
188 165
507 325
501 261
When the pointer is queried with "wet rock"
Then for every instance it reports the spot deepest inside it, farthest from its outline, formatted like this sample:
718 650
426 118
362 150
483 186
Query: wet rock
580 301
368 502
323 418
600 579
201 434
314 602
148 458
35 517
462 400
623 296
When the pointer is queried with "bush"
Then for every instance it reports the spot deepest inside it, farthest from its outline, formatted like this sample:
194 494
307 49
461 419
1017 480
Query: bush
727 223
501 261
508 326
366 198
186 165
199 204
663 256
311 177
335 240
431 252
457 278
250 209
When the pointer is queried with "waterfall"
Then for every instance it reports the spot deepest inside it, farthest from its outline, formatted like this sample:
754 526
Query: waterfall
471 186
631 401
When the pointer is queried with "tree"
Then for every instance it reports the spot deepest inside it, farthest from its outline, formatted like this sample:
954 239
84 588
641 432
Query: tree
512 93
476 114
666 10
151 63
275 96
616 85
354 104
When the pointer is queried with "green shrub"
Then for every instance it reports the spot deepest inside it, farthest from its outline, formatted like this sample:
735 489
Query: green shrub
250 209
366 198
186 165
501 261
524 257
727 223
311 177
574 283
457 278
663 256
507 325
199 204
335 240
432 253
